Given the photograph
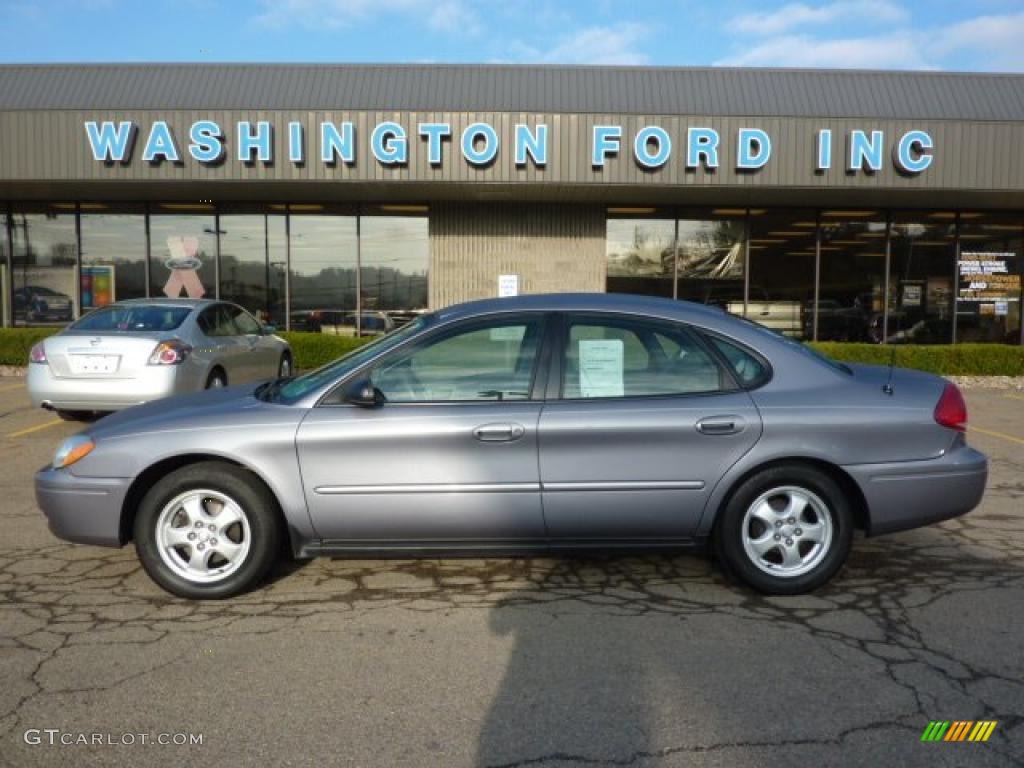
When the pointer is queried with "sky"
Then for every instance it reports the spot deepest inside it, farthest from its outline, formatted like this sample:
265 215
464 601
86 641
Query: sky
971 35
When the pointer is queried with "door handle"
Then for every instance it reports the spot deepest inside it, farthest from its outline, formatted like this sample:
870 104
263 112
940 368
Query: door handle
499 433
720 425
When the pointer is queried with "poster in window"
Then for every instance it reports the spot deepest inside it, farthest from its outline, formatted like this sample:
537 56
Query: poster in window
602 363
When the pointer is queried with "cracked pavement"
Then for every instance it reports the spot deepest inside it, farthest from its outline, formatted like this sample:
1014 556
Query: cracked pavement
651 660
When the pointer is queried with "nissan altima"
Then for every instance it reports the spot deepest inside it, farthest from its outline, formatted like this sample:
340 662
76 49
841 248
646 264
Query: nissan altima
135 351
528 425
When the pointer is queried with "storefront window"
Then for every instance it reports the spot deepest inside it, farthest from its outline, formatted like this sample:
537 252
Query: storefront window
323 271
989 274
640 251
113 254
183 244
45 258
394 252
252 263
851 296
922 248
711 258
782 254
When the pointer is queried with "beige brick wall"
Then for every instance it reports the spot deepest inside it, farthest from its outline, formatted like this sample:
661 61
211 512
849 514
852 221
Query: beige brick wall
551 247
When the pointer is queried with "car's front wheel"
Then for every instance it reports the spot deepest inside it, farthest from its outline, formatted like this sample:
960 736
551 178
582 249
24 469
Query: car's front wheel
786 530
207 530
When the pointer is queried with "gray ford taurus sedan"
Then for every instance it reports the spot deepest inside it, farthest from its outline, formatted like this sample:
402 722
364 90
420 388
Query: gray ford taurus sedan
527 425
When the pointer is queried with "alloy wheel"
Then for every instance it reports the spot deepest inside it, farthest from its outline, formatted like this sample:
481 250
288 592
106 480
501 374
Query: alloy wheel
203 535
787 531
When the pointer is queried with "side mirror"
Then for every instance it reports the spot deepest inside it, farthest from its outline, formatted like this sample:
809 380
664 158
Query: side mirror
362 392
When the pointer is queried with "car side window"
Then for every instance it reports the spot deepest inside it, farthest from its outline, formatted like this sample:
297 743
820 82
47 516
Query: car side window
244 322
215 322
492 361
628 357
749 371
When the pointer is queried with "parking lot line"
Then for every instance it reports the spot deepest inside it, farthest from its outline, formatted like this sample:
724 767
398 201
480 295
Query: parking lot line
12 387
992 433
36 428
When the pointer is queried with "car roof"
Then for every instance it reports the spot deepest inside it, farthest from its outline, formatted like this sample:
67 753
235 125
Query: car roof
168 302
585 302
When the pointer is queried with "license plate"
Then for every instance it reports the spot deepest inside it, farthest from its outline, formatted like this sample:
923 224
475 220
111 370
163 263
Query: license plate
94 363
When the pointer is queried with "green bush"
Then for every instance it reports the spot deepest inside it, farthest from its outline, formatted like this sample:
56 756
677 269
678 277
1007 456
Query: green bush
315 349
15 343
945 359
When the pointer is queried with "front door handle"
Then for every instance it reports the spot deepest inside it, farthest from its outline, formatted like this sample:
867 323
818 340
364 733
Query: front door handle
499 433
720 425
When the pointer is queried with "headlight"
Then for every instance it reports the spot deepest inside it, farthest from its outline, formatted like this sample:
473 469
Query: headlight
73 449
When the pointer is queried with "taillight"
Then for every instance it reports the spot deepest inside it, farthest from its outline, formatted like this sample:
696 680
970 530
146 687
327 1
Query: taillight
170 353
37 353
951 410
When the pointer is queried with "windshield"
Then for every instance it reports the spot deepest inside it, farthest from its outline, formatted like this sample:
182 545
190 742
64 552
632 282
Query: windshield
133 318
291 390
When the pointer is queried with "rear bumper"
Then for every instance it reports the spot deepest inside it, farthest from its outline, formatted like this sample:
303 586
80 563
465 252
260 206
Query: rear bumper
83 510
102 394
911 494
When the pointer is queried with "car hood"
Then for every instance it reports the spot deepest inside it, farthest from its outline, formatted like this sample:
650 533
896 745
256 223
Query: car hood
181 411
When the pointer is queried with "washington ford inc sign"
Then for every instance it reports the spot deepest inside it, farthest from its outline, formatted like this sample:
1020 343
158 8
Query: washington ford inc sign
390 143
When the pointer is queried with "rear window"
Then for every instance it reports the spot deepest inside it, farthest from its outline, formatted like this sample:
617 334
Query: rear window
133 319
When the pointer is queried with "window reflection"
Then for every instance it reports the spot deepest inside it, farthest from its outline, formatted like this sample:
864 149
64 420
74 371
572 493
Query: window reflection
394 252
989 275
113 257
323 272
782 253
183 249
45 254
851 295
922 248
252 263
639 253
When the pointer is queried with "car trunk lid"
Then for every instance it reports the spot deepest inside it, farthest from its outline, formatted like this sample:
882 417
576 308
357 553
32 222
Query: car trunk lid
101 355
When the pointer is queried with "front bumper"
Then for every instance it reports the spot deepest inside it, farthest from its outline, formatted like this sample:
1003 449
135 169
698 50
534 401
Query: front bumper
910 494
86 510
102 394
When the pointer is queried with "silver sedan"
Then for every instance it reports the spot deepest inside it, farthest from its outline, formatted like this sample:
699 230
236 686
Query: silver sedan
528 425
135 351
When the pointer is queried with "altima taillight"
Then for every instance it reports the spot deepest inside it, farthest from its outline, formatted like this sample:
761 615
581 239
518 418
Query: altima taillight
37 353
170 352
951 410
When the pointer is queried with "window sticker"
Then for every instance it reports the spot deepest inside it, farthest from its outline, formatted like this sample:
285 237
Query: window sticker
601 367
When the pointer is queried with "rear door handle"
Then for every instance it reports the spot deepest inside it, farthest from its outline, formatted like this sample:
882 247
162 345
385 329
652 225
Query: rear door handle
720 425
499 433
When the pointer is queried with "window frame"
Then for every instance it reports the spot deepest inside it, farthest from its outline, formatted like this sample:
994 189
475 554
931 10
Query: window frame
565 320
334 397
769 372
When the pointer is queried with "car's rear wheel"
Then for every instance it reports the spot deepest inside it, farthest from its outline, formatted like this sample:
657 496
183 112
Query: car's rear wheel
217 379
207 530
284 368
786 530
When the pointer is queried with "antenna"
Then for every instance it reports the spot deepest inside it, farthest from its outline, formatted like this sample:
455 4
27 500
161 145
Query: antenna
887 387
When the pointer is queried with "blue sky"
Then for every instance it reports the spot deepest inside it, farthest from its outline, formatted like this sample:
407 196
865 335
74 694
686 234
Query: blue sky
986 35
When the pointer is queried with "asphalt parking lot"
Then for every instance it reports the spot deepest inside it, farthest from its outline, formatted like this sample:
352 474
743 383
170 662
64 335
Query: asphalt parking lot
629 661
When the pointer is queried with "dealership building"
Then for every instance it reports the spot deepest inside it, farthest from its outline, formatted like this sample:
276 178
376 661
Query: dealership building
867 206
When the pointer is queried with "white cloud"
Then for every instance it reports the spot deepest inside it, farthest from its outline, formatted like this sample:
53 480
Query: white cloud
795 15
618 45
999 39
439 15
895 51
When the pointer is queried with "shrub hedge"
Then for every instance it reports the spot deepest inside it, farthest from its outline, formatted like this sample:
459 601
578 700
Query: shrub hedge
315 349
945 359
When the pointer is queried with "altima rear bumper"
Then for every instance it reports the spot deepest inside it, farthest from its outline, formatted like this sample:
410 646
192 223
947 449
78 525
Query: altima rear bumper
83 510
105 394
910 494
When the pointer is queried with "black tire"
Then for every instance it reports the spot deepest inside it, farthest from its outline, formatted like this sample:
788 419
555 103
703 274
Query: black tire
217 379
75 415
252 497
284 367
729 533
